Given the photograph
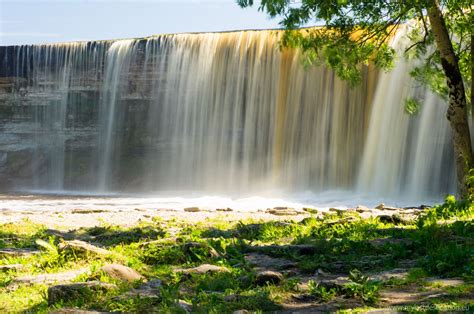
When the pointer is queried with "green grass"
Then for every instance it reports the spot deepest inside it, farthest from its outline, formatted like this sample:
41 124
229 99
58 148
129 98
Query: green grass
439 243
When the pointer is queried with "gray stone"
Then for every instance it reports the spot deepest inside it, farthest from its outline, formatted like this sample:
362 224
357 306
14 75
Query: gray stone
380 206
202 269
81 247
73 291
268 276
121 272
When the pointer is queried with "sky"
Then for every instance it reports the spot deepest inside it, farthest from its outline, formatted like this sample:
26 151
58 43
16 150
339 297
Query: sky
48 21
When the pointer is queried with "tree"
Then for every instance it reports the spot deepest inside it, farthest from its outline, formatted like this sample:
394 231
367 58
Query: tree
356 32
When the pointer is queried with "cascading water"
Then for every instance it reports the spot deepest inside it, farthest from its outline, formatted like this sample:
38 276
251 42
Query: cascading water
216 113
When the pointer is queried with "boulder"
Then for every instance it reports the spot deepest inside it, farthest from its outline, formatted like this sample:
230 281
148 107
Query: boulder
121 272
74 291
266 277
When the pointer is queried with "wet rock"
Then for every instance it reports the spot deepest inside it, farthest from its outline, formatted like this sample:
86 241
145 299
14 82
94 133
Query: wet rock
81 247
5 268
74 291
202 269
380 206
14 252
266 277
192 209
51 278
121 272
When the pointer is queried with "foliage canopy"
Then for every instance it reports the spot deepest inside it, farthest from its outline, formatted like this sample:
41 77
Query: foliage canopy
357 32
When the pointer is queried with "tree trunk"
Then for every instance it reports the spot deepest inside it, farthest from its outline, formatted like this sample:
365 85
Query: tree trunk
457 113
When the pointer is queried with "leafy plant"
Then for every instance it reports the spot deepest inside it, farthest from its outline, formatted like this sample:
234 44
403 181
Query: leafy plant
321 292
362 287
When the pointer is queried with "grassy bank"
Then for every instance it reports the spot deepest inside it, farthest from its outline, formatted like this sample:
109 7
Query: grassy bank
330 263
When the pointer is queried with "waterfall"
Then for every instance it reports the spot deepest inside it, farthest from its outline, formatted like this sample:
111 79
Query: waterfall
214 113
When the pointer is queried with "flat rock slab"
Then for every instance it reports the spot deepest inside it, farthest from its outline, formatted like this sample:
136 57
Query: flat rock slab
18 252
82 247
73 291
122 272
202 269
51 278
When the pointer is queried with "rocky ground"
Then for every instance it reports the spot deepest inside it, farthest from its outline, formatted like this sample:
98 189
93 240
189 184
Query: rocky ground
74 218
280 259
